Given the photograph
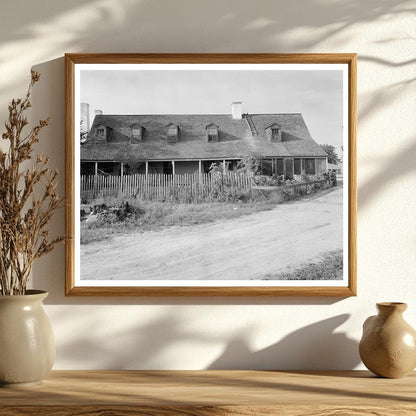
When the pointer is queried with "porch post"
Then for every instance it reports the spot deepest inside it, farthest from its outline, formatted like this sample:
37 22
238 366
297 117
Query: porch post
326 165
121 176
147 167
95 187
200 168
223 166
316 165
173 167
284 168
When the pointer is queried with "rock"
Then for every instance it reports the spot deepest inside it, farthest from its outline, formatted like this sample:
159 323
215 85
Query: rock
92 218
86 208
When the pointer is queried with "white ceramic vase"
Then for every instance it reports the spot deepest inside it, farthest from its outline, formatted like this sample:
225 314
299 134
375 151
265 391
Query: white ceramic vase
27 346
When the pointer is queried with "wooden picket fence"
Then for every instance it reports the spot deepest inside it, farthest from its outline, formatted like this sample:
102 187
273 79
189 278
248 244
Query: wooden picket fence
184 188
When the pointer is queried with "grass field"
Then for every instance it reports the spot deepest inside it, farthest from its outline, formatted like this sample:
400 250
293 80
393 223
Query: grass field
328 267
157 215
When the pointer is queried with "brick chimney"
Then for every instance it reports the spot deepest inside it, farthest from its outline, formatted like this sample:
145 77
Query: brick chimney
98 112
236 110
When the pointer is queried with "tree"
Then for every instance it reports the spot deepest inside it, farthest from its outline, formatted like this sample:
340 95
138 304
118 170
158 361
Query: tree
250 164
83 133
333 158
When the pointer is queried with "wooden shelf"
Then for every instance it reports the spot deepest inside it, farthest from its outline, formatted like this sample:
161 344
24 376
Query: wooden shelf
211 393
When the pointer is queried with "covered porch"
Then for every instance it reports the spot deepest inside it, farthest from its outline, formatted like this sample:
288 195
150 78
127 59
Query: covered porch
289 167
103 167
181 167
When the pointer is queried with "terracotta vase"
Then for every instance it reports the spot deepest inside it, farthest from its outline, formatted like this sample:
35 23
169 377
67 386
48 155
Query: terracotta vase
27 346
388 345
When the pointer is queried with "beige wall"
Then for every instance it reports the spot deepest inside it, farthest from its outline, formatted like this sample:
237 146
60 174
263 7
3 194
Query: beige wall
234 333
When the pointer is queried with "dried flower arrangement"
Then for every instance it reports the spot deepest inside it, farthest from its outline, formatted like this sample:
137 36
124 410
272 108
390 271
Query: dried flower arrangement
28 200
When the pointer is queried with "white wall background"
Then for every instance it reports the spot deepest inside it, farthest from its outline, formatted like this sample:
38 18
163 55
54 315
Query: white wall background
194 333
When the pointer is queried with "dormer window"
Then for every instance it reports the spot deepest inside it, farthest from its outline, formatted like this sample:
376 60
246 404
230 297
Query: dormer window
276 135
136 133
275 132
172 130
212 133
102 133
172 133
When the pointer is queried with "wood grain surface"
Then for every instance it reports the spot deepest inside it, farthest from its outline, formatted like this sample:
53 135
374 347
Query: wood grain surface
203 393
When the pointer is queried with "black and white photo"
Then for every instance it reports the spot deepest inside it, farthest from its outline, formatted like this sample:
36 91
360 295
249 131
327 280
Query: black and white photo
206 175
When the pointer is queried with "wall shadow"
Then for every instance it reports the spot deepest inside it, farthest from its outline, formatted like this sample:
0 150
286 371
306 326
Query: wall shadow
163 26
109 26
143 346
313 347
399 165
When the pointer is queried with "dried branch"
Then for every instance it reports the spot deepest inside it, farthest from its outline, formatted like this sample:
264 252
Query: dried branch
25 210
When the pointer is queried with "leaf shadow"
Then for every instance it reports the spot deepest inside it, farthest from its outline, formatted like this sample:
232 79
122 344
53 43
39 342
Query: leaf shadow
315 346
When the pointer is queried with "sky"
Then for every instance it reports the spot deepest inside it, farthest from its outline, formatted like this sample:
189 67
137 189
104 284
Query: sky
317 94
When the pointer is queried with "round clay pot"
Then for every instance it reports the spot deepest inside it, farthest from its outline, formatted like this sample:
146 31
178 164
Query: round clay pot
388 344
27 346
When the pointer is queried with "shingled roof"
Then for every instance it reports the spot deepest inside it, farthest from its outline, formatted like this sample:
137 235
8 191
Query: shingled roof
235 138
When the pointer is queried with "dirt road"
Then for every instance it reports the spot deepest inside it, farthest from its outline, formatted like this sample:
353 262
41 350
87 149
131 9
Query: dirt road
240 249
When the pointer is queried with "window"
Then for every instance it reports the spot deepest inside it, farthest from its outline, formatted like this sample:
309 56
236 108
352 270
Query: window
276 133
100 131
297 168
279 167
212 133
310 166
320 166
172 133
136 134
267 167
276 136
289 168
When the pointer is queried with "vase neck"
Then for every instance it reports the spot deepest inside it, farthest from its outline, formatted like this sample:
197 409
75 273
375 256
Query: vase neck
389 308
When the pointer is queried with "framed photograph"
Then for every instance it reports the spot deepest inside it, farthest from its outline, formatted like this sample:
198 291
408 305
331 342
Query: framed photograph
210 174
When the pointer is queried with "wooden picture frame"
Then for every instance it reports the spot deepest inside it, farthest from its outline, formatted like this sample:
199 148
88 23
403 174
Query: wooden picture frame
83 146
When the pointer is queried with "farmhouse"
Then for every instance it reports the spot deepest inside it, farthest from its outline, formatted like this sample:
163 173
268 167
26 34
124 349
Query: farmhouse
178 144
